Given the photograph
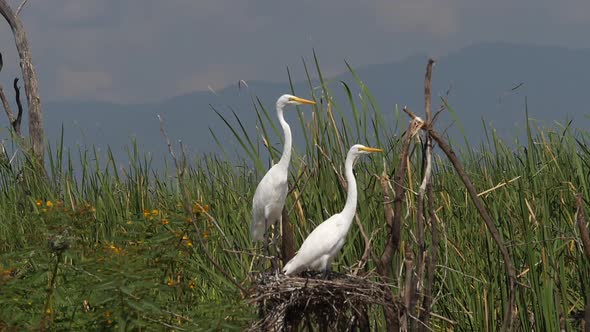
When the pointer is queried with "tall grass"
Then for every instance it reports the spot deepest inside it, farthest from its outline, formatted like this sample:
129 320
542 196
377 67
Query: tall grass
111 246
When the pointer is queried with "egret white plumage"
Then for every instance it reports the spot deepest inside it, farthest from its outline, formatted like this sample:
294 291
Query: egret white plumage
270 195
323 244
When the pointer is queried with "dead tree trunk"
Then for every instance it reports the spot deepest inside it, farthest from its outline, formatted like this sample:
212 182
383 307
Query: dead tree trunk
30 80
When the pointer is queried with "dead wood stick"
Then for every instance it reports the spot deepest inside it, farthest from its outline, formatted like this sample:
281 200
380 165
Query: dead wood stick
511 272
35 112
16 123
6 105
432 258
408 287
288 238
394 224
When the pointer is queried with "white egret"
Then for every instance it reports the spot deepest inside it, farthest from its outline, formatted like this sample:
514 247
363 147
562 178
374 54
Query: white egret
270 195
321 246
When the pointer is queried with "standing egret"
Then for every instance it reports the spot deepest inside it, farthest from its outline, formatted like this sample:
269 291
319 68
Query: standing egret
321 246
270 195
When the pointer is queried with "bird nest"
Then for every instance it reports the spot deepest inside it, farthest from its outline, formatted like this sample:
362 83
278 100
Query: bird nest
339 303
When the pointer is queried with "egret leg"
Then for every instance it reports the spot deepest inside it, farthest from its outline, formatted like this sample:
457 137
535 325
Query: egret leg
273 258
276 236
326 272
265 246
265 252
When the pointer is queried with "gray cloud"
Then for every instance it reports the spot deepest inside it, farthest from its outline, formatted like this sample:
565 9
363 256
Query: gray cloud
139 50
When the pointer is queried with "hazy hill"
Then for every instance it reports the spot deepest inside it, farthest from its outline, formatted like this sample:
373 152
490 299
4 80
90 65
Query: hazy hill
480 78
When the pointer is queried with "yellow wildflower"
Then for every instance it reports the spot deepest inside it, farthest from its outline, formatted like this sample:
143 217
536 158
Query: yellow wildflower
198 208
189 243
48 311
38 202
49 204
170 282
155 212
192 284
165 222
205 235
129 222
146 213
114 248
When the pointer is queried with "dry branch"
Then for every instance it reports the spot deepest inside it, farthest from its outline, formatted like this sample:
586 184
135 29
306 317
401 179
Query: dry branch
16 123
288 240
427 88
432 256
6 105
394 224
426 189
409 287
30 79
511 272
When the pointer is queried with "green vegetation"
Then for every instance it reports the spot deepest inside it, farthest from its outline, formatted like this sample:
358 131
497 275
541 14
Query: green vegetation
127 247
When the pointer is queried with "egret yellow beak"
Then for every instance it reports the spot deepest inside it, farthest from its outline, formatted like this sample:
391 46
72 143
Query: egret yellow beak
302 101
371 149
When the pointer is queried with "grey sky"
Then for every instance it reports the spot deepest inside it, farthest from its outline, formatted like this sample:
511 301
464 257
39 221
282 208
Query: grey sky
142 50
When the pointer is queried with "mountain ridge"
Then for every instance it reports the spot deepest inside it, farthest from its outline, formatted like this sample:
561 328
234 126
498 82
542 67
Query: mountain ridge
480 78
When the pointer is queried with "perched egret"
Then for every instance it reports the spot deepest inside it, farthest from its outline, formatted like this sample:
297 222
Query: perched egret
270 195
321 246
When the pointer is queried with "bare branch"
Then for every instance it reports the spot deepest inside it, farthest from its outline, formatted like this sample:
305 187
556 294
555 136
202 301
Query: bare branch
21 7
30 80
288 240
16 123
384 264
6 105
169 145
427 85
511 272
408 289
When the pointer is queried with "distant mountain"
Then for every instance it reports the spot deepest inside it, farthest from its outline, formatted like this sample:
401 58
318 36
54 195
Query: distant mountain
480 78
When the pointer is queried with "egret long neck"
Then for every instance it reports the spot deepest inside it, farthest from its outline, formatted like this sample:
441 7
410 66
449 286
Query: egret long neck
286 157
350 206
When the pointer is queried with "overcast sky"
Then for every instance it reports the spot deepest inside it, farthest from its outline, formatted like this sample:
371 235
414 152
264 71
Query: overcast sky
142 50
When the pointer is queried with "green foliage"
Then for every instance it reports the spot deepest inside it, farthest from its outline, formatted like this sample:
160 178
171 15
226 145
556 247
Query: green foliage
105 246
